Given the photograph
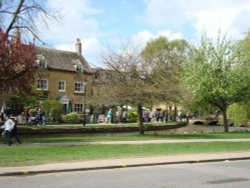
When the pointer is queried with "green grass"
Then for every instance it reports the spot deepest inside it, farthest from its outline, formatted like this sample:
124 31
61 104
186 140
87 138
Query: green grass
132 137
32 155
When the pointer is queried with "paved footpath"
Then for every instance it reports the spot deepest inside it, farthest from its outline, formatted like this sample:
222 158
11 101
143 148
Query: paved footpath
128 162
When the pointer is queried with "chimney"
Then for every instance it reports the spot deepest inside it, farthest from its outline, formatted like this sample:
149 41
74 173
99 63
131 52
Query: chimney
16 34
78 47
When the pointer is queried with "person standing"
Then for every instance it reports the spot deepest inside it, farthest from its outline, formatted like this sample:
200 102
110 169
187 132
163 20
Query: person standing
180 115
8 127
40 117
124 116
109 116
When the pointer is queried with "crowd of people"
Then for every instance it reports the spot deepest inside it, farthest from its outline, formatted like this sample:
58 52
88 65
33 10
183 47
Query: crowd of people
164 116
29 117
120 115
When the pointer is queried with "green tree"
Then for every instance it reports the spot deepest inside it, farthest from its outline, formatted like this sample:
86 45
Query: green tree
218 74
165 58
240 112
53 110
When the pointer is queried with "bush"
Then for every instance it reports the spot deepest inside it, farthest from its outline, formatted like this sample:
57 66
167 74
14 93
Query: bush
53 110
72 118
132 116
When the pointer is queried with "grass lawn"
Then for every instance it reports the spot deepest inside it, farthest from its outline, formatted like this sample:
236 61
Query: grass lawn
32 155
132 137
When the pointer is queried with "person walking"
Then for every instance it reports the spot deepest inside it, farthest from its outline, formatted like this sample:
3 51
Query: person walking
14 133
8 127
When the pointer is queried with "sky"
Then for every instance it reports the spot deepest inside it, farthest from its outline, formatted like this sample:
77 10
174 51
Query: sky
101 24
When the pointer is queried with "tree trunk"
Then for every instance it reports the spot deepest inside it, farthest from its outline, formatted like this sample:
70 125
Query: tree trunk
225 122
170 113
140 119
175 112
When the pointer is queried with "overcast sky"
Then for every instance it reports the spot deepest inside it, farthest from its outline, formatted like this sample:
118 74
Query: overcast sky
102 23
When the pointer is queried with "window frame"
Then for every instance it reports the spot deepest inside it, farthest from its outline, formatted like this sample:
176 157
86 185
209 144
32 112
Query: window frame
41 60
41 84
64 85
81 87
78 107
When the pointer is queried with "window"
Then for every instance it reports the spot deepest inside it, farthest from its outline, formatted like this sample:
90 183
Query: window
41 61
62 86
78 66
79 87
79 69
78 108
42 84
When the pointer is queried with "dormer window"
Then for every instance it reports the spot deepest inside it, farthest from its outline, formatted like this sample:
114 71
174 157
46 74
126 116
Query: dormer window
78 66
42 62
79 69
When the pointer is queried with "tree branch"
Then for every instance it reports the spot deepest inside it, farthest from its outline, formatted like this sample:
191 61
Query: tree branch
15 16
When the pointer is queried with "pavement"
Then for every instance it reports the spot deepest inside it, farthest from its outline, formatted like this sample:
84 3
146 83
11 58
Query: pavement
128 162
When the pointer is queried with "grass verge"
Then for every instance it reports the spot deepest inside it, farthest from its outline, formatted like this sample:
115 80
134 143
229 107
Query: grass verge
32 155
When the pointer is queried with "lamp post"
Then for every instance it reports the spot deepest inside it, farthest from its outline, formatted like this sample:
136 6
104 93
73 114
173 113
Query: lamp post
84 103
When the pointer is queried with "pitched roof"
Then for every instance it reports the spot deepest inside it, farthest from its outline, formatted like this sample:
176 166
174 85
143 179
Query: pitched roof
63 60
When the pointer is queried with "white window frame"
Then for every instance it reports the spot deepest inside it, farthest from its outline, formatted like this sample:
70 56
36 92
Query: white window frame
41 84
79 68
64 86
80 88
41 58
78 107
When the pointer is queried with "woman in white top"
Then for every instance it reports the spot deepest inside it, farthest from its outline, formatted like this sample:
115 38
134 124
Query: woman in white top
8 127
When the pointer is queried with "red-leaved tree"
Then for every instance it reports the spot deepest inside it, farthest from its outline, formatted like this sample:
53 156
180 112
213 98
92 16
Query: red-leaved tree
17 64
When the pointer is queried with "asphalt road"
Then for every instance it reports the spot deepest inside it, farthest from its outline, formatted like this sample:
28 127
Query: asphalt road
220 174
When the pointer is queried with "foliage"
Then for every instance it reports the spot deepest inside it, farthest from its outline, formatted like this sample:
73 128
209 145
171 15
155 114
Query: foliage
72 118
53 110
165 59
217 75
240 113
17 64
132 116
24 99
141 78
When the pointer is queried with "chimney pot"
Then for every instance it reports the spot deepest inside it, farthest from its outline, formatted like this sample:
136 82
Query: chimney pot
17 34
78 47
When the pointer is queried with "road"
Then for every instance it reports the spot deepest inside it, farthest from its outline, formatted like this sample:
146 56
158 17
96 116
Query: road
220 174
